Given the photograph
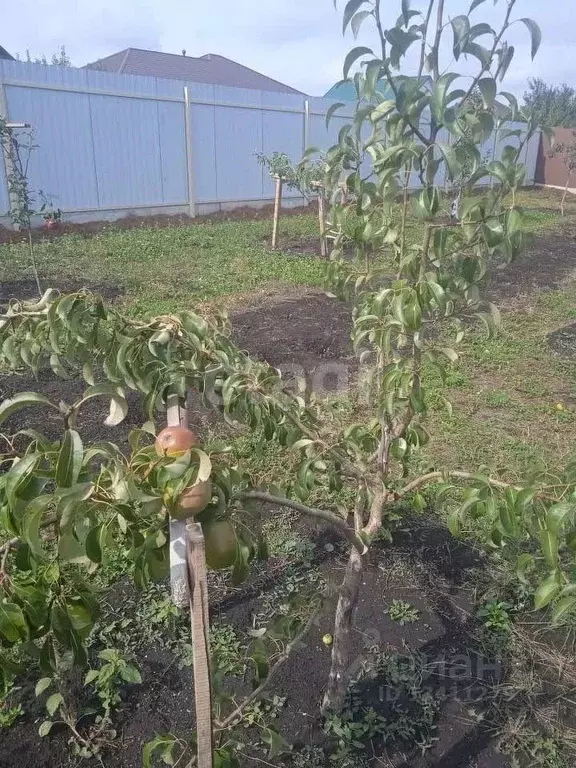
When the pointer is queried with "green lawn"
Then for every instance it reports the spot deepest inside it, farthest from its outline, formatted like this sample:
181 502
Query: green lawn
162 270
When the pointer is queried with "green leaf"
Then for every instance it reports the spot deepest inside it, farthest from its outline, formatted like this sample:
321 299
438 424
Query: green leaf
357 21
331 110
525 562
53 702
505 61
475 4
45 728
563 606
535 34
353 56
487 86
382 110
276 744
118 404
57 367
81 619
398 447
439 94
557 515
454 524
69 459
406 12
164 743
91 676
479 52
88 374
205 466
18 475
92 544
131 675
350 9
42 685
461 29
22 400
118 411
549 545
373 71
400 41
452 163
547 590
12 622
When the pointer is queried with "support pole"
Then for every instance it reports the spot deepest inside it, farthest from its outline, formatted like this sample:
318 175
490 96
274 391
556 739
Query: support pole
177 416
322 221
200 641
190 587
5 155
277 205
189 153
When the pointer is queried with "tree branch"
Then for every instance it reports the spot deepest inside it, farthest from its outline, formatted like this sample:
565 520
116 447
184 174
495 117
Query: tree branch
320 514
437 39
391 82
424 37
376 510
229 720
456 474
486 68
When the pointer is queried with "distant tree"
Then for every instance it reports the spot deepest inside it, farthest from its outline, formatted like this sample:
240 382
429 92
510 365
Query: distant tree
58 59
553 105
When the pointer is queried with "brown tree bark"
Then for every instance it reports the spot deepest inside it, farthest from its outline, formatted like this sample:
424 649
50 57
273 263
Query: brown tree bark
342 647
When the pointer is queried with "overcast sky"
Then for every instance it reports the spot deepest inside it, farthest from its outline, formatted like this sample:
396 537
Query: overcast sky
298 42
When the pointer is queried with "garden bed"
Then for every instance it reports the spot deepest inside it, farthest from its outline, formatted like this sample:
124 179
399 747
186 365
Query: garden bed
506 393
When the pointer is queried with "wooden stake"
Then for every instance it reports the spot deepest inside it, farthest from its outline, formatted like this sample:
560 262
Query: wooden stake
277 205
177 416
322 220
189 586
200 623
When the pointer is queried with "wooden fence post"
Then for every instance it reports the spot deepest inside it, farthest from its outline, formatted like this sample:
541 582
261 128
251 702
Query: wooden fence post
277 206
189 586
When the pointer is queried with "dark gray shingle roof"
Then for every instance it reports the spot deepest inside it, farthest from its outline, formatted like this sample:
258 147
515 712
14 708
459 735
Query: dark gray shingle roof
5 55
211 68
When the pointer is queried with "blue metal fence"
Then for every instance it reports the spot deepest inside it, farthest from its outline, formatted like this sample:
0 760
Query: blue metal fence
115 144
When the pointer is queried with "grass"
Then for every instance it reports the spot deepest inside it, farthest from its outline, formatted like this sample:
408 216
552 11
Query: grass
513 403
162 270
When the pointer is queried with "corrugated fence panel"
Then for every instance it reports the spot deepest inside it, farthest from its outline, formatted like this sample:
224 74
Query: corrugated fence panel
281 132
127 151
40 74
126 148
203 152
173 152
135 85
63 164
532 158
238 137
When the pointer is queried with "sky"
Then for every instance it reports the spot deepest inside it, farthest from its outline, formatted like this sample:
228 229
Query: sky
298 42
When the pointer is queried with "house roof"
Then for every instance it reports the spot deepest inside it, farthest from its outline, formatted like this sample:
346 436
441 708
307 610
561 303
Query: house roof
210 68
5 55
346 90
